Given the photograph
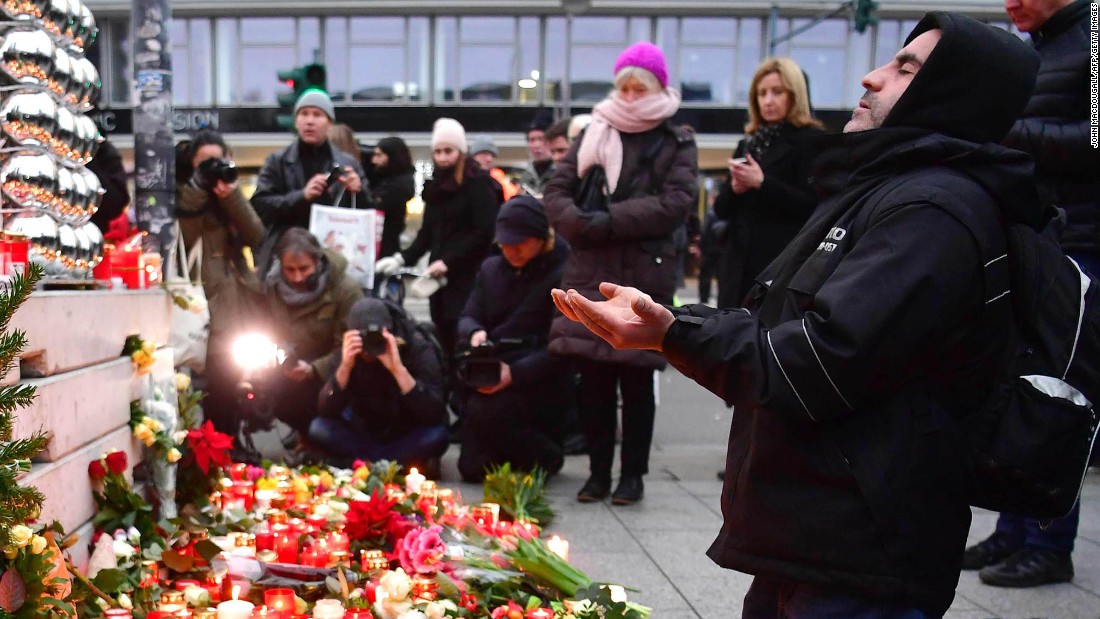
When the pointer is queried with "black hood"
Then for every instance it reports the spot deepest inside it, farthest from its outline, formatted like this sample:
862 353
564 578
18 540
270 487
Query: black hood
974 84
849 160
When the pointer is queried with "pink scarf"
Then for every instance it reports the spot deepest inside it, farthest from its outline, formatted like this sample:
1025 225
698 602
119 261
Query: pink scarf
602 143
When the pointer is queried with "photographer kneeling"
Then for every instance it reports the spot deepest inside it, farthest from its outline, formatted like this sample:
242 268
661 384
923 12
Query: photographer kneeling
519 391
385 400
311 296
211 208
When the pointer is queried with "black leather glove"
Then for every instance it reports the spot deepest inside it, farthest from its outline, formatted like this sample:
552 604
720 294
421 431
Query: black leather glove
596 227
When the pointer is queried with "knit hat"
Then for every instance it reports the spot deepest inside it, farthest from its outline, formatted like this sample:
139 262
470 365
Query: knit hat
369 312
521 218
646 56
974 84
449 131
483 144
318 99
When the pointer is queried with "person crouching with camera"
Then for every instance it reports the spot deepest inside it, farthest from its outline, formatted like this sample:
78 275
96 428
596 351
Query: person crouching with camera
211 208
310 296
385 399
517 390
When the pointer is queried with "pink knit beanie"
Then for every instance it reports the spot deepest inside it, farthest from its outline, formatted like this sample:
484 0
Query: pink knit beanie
646 56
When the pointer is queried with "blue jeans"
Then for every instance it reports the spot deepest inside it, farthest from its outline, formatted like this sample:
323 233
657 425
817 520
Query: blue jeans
1059 535
780 599
343 439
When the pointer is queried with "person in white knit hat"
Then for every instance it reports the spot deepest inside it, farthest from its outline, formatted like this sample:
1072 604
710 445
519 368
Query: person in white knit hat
460 209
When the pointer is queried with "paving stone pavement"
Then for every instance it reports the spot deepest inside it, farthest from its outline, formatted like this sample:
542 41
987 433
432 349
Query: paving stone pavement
658 546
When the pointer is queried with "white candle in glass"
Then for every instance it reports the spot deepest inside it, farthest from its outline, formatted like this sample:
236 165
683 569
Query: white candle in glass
235 609
413 481
328 609
559 547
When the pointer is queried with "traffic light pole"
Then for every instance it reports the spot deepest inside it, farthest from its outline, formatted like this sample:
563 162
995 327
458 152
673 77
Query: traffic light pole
154 150
864 15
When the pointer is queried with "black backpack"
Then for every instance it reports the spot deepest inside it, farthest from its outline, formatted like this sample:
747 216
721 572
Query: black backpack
1033 440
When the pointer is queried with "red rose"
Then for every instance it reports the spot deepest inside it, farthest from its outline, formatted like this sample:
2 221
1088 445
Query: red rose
116 462
96 470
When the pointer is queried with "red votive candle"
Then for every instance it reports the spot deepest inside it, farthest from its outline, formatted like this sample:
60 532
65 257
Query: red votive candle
265 540
280 601
286 546
182 585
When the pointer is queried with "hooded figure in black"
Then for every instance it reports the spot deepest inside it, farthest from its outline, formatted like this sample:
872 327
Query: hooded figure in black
877 328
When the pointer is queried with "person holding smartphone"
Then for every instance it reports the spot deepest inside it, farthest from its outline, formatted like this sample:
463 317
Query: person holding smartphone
766 198
306 173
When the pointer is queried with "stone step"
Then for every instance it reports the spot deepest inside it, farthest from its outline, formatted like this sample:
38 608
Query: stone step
67 330
66 484
75 408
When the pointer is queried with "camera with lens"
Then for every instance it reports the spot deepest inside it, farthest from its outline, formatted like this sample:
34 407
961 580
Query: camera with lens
212 170
480 366
374 343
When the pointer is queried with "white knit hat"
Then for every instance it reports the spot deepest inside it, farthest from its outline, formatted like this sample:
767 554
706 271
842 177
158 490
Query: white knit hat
449 131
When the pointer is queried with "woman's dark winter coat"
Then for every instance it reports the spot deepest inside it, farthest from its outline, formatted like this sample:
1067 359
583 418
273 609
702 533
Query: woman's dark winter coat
760 223
391 193
633 245
459 221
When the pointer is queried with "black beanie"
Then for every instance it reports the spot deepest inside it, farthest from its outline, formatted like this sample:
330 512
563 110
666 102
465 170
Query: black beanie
369 312
973 85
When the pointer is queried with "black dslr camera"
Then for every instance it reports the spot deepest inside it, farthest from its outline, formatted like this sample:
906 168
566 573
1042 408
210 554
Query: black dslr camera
480 366
212 170
374 343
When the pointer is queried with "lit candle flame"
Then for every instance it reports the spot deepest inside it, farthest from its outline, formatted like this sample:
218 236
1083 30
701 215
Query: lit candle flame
236 591
413 471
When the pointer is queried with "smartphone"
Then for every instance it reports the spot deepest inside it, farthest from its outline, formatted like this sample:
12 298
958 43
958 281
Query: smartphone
335 174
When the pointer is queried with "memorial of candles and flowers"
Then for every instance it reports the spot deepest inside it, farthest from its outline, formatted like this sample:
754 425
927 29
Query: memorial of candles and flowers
204 537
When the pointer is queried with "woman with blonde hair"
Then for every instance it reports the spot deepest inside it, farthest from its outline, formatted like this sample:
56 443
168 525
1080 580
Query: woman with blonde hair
651 170
767 197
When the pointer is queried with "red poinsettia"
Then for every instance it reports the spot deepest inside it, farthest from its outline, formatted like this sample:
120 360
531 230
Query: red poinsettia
209 446
116 462
371 519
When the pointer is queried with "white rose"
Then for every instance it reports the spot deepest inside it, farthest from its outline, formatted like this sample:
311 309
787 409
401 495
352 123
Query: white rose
179 437
396 584
183 382
196 597
20 535
123 549
133 536
435 610
124 601
38 544
413 614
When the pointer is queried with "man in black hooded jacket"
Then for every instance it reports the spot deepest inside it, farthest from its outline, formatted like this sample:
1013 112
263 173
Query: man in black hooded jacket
1055 130
845 486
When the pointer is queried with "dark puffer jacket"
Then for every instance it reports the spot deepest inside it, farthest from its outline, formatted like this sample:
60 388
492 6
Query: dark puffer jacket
1054 128
637 249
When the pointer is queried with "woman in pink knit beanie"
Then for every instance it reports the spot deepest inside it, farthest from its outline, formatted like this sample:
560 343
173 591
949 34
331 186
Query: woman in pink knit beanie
652 174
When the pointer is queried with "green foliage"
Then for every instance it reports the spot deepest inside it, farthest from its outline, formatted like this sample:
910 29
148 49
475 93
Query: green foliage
17 504
119 507
520 495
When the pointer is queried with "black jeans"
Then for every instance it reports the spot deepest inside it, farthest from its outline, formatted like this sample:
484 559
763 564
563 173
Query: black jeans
598 407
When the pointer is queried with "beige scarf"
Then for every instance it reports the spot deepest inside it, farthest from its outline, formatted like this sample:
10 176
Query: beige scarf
603 143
